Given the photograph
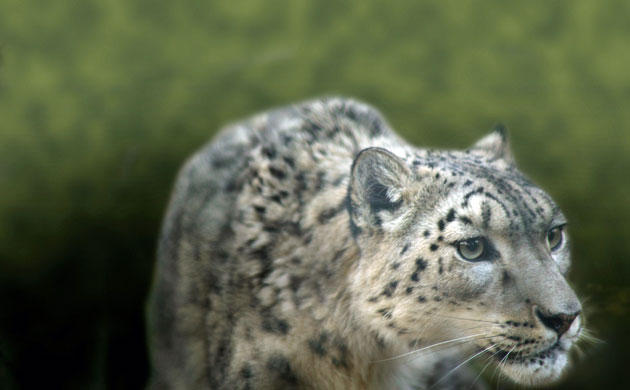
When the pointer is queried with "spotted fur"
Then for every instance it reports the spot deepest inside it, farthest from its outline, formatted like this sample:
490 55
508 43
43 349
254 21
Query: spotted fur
311 247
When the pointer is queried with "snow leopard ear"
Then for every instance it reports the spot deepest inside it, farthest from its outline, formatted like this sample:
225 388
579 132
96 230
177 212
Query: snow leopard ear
496 144
377 183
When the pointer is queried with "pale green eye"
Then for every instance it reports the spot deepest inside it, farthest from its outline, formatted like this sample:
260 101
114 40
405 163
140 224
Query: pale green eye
554 238
472 249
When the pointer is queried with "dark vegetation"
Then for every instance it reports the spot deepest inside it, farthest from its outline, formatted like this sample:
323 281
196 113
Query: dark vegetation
100 102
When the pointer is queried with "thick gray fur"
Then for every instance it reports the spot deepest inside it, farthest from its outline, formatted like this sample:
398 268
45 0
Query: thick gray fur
310 246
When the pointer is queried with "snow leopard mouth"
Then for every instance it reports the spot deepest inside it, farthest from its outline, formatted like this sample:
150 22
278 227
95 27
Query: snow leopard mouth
517 357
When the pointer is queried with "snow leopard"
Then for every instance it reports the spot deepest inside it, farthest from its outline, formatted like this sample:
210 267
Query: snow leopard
311 247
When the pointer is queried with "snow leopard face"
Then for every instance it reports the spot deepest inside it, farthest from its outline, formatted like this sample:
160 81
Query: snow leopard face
465 250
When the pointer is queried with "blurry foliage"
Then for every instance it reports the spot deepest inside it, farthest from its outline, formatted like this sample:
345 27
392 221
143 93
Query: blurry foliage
100 102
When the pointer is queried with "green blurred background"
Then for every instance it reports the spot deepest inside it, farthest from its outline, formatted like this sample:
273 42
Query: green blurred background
100 102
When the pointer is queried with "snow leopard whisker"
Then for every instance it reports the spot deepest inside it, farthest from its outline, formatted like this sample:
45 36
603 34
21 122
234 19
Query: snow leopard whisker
430 346
587 336
419 335
450 347
462 329
461 364
489 361
503 362
464 318
481 327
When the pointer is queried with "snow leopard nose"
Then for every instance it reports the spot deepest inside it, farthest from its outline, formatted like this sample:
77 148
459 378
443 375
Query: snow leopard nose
559 322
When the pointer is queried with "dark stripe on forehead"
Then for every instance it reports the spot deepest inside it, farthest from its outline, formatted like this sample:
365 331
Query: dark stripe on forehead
513 196
486 213
506 211
479 190
546 200
530 205
524 204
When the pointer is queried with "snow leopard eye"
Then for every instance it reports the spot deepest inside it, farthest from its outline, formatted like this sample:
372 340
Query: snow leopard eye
473 249
555 238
